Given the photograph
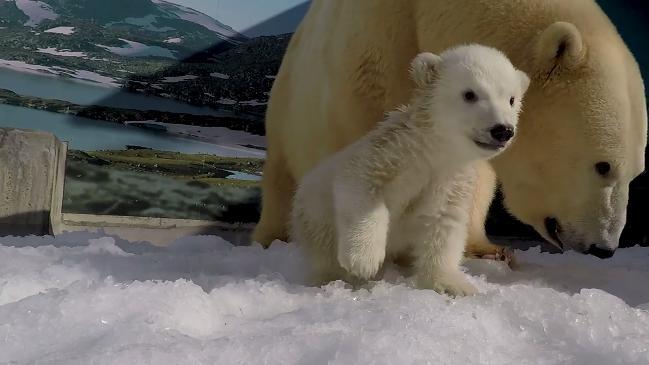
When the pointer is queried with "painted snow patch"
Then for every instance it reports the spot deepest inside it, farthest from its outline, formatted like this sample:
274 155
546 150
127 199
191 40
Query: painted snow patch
63 53
174 79
61 30
173 40
57 71
25 67
219 75
226 101
191 15
232 142
253 103
37 11
147 22
86 299
95 77
137 49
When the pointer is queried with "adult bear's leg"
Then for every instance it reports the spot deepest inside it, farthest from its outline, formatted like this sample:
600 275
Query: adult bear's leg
478 245
277 187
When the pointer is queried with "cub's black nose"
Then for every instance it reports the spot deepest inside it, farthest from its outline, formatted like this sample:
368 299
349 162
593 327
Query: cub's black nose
502 133
602 253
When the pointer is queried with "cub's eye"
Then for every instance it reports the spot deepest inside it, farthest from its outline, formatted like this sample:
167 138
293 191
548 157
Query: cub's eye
511 101
603 168
470 96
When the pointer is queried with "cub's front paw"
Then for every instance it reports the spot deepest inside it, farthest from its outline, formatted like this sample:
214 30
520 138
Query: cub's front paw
364 264
454 284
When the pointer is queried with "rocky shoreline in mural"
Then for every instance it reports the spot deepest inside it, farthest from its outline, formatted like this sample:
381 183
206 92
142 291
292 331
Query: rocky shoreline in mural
239 121
149 183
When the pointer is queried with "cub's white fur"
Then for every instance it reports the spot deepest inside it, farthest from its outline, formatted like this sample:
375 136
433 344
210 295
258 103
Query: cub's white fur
403 191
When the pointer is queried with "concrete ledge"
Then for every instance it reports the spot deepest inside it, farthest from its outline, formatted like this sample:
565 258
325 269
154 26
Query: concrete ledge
32 178
157 231
29 167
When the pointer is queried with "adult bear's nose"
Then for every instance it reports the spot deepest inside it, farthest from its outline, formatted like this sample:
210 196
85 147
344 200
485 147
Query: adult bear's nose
502 133
602 253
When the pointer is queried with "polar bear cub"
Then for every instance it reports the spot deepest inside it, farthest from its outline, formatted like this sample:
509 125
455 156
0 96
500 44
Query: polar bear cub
404 189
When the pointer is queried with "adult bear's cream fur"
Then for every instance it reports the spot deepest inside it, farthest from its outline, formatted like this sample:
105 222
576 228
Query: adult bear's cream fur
346 65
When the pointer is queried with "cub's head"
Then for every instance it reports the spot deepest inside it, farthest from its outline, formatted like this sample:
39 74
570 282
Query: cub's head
474 94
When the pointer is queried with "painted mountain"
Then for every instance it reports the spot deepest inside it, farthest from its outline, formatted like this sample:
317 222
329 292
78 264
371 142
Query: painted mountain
148 46
98 23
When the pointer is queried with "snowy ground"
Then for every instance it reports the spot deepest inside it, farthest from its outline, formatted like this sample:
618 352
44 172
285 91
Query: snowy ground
80 300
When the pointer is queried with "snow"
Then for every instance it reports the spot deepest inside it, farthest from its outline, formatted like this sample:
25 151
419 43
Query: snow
147 22
230 141
37 11
137 49
25 67
61 30
227 142
253 102
95 77
173 40
56 71
174 11
63 53
219 75
85 299
199 18
174 79
226 101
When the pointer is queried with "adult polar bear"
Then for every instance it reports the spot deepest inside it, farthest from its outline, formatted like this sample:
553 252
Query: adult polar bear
582 133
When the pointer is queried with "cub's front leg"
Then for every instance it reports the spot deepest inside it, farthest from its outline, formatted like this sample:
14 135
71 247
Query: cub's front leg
439 238
362 221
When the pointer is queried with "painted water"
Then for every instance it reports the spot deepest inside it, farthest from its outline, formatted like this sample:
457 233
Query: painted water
119 195
87 93
88 134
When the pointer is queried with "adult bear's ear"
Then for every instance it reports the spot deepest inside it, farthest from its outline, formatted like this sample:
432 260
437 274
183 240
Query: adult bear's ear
525 80
423 69
559 47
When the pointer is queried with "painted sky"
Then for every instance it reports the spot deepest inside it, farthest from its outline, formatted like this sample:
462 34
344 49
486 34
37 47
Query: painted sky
240 14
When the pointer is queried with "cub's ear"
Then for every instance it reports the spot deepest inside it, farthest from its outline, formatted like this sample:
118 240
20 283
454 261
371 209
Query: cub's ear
559 47
524 79
423 69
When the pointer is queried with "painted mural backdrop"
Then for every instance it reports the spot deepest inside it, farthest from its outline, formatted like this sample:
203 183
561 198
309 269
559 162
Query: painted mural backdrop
162 102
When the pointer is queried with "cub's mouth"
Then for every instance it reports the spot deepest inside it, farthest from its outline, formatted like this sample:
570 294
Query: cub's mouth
493 146
553 228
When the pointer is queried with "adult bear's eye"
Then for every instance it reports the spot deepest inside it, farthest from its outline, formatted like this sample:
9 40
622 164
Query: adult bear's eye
511 101
470 96
603 168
